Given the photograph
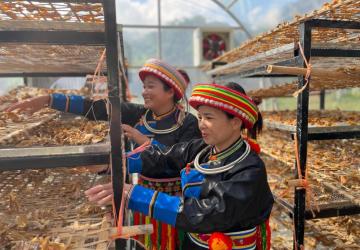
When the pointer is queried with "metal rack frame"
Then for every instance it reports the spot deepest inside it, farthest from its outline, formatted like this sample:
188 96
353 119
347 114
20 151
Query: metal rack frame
112 39
64 156
303 132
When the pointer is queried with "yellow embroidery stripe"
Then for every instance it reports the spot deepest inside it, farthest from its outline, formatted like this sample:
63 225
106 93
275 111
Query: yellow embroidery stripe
168 74
227 93
213 93
195 237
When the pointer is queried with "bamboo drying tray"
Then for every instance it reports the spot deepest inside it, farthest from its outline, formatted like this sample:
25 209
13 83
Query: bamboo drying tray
49 10
331 165
287 33
49 16
46 127
41 202
328 233
316 118
278 45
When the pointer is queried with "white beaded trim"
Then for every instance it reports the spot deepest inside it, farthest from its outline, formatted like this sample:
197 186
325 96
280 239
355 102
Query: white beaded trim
222 105
158 131
221 169
149 69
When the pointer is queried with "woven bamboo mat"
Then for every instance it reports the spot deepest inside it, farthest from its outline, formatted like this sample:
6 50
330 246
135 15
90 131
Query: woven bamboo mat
48 10
288 33
331 165
49 207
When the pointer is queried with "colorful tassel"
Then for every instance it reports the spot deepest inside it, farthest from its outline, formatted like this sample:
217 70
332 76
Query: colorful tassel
263 236
159 235
154 234
173 238
136 222
169 244
181 237
268 234
147 237
253 145
163 236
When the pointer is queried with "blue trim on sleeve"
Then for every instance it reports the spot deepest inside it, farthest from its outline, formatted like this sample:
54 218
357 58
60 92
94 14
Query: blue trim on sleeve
192 176
59 101
76 105
166 208
155 142
140 199
192 191
134 163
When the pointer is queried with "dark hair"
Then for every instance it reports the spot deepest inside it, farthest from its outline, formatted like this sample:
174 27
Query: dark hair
257 128
185 75
167 87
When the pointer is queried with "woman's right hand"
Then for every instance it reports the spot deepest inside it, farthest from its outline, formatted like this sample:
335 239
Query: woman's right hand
100 194
31 105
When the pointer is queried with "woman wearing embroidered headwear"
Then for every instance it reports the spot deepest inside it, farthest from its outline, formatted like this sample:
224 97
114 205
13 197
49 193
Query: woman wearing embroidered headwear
160 121
226 200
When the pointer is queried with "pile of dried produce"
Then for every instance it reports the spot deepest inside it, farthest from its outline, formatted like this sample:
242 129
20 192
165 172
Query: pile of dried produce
33 203
64 132
321 118
332 233
42 128
334 163
15 125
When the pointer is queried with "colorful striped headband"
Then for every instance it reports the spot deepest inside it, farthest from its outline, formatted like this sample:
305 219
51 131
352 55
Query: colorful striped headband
226 99
167 73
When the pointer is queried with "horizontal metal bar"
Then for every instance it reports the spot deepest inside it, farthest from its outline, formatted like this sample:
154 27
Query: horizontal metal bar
312 129
54 150
284 203
325 210
335 53
261 71
50 25
332 135
53 37
48 74
334 24
42 162
246 60
67 1
55 156
191 27
333 212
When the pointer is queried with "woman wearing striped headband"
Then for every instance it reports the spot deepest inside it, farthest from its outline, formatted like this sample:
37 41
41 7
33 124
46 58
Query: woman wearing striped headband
226 200
161 121
161 118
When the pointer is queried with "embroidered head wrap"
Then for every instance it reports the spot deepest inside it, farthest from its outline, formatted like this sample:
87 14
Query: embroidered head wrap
226 99
167 73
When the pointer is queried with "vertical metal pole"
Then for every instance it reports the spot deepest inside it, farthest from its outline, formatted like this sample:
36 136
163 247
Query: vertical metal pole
114 89
322 99
26 82
302 135
159 30
122 60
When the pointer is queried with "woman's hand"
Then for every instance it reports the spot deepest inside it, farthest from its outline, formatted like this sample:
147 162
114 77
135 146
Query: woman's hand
100 194
134 134
31 105
103 194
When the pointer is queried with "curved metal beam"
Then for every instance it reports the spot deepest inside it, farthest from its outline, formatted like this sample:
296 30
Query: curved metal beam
222 6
